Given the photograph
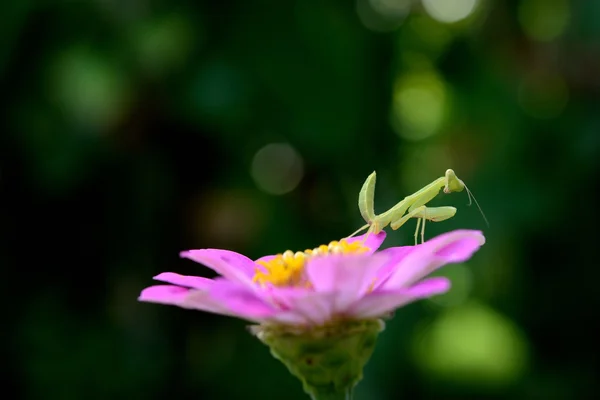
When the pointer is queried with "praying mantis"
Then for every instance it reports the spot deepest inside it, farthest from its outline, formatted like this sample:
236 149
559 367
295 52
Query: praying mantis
413 206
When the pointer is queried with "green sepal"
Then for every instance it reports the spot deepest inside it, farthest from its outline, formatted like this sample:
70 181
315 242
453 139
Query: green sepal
329 360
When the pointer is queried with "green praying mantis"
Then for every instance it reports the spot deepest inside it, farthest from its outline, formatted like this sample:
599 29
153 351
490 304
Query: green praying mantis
413 206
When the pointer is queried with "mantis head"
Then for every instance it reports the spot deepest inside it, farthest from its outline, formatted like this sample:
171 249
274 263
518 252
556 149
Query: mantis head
453 184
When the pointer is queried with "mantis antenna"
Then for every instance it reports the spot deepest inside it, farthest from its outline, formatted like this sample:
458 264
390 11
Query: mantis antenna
471 196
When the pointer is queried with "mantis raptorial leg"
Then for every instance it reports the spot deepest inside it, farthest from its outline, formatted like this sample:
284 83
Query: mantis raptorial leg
413 205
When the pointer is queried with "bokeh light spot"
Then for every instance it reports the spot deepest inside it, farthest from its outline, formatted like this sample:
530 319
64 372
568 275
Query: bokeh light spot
419 105
89 88
544 20
474 345
391 8
382 15
277 168
449 11
164 43
543 96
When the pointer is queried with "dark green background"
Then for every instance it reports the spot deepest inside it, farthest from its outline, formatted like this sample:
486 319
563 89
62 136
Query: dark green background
129 130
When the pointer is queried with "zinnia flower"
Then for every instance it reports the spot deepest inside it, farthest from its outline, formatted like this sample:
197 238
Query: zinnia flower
319 310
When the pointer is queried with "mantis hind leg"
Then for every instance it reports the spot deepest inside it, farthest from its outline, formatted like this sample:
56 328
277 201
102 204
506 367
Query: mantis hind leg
416 213
434 214
421 214
421 223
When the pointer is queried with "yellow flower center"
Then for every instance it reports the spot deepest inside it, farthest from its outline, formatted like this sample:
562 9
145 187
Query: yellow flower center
287 269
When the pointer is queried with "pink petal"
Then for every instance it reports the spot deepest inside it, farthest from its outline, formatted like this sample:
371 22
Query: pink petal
348 276
304 305
373 242
195 282
233 266
379 303
395 255
288 318
241 300
452 247
203 301
223 297
316 308
164 294
182 297
283 297
286 299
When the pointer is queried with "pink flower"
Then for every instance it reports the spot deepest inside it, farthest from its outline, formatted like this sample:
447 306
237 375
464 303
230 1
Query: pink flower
346 280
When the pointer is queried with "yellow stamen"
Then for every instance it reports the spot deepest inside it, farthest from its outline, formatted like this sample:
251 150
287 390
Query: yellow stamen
287 269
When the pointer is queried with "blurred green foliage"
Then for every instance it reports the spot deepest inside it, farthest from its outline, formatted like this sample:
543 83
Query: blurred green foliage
134 129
